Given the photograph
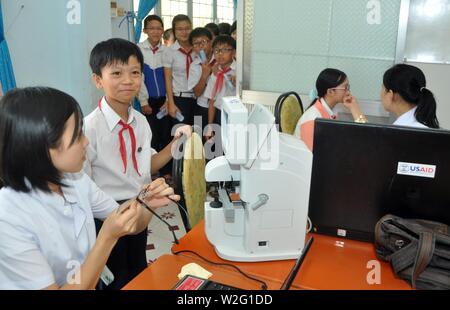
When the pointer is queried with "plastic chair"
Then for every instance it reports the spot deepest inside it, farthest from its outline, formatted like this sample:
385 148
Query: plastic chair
288 110
188 173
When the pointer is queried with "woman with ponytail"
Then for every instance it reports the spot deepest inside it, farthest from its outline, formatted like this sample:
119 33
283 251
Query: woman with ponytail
404 94
332 87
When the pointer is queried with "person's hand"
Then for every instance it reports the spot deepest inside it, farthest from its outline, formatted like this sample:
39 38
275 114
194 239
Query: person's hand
172 109
183 130
209 132
215 68
351 103
123 221
147 109
158 194
206 70
233 79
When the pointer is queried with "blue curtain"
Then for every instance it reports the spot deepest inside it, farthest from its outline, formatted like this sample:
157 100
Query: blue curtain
235 9
6 71
145 6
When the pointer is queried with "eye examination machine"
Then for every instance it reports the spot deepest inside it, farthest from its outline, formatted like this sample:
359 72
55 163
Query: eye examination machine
263 188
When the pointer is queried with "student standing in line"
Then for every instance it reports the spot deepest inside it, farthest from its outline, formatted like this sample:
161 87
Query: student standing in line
120 158
152 94
214 29
168 37
48 205
234 30
224 29
177 62
332 88
223 83
405 94
200 71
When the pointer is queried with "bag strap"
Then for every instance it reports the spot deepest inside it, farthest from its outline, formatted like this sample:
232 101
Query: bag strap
424 255
379 230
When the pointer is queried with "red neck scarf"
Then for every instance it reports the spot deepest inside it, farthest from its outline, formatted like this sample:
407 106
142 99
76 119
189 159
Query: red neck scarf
122 147
219 81
188 59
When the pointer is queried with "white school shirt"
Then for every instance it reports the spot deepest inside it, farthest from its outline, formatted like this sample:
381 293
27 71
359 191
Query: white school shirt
154 61
44 236
103 160
226 89
176 60
195 75
409 119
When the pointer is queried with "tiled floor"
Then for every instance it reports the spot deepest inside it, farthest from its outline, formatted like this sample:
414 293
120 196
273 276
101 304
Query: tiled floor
160 239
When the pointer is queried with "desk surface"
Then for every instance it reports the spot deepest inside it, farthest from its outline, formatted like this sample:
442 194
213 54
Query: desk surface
332 263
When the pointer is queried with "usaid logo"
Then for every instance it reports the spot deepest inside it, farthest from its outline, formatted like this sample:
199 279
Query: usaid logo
418 170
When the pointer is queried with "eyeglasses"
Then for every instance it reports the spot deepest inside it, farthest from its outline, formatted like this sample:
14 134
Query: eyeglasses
346 88
222 50
138 199
154 28
200 42
183 29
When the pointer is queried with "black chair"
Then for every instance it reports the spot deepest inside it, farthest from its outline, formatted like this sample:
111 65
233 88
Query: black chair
288 110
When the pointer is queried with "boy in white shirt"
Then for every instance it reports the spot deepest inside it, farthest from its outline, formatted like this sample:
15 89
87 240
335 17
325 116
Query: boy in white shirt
200 71
152 94
223 83
177 62
119 157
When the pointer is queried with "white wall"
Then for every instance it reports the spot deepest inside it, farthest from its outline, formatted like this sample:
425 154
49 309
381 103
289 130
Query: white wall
438 81
46 50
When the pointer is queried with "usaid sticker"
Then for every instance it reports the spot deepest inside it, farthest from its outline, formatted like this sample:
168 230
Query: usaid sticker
417 170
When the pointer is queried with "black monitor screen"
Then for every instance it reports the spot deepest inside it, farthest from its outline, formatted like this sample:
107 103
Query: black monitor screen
362 172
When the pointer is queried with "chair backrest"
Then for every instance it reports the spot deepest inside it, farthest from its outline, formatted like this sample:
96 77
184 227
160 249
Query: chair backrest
188 172
288 110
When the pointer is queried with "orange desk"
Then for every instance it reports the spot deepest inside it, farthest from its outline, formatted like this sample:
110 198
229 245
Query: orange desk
332 263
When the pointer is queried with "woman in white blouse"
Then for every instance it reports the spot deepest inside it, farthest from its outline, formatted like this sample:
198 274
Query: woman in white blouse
47 206
404 93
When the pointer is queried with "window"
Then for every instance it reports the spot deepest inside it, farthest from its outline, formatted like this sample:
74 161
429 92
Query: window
201 12
225 11
171 8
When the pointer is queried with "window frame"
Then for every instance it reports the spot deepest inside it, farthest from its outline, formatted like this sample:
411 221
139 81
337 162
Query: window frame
158 11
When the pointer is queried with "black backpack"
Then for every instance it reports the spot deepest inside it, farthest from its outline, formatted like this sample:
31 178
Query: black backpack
418 250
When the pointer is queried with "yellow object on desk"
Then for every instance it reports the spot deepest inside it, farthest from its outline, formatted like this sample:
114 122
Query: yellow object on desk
194 270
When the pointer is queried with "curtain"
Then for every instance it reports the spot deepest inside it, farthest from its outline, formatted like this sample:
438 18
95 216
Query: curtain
6 70
145 6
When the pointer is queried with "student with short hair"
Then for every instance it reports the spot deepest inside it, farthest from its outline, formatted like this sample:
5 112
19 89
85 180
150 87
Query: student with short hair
224 29
120 158
152 94
332 88
223 83
168 37
405 94
177 63
48 205
234 30
214 29
200 71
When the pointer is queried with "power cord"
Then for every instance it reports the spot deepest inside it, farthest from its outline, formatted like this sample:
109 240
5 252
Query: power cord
263 284
184 210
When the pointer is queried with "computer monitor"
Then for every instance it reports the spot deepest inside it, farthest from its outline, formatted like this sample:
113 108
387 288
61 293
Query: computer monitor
363 171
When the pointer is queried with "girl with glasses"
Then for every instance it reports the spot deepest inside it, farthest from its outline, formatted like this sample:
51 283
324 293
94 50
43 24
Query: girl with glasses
332 88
